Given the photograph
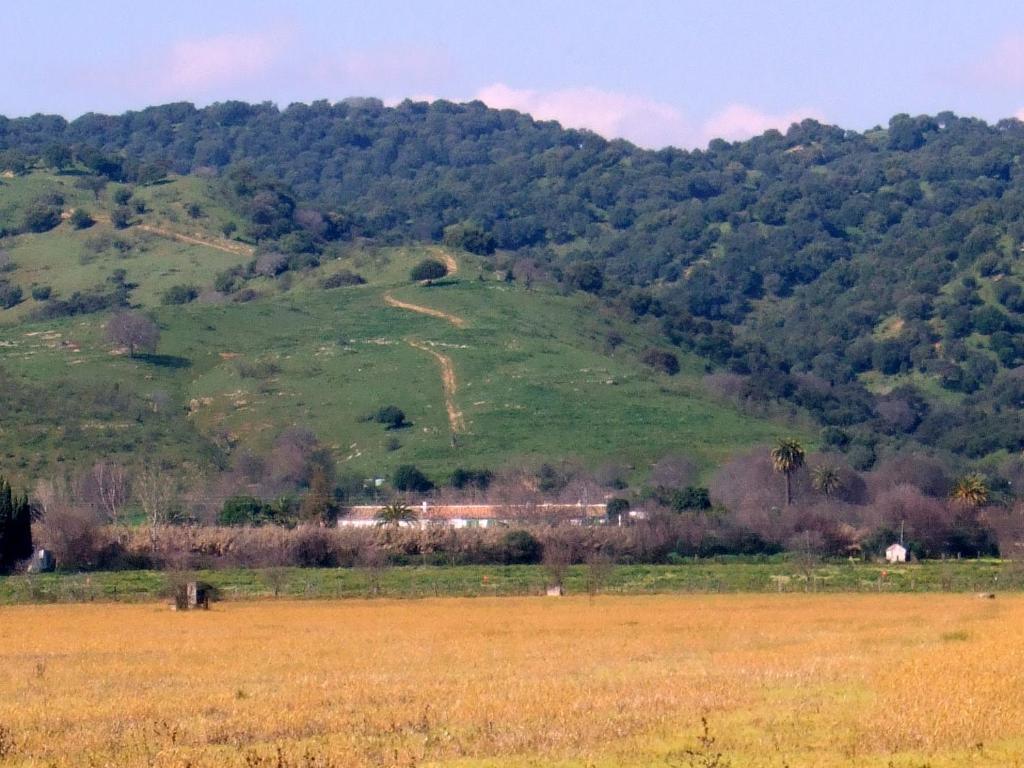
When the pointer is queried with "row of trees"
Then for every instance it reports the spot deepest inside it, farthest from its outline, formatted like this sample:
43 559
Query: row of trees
788 457
772 500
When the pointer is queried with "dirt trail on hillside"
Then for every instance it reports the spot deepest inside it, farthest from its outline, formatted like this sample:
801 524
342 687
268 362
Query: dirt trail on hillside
217 243
449 261
449 383
455 320
453 269
226 246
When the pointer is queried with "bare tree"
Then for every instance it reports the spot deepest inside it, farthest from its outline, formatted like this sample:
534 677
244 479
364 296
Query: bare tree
556 560
69 529
927 473
157 492
527 272
599 570
133 330
50 494
674 472
372 561
289 460
112 486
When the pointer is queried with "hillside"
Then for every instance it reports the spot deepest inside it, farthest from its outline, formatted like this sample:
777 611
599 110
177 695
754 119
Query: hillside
488 372
871 280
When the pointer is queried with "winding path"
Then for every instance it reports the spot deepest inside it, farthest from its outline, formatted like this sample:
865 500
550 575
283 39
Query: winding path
449 261
449 383
218 244
455 320
226 246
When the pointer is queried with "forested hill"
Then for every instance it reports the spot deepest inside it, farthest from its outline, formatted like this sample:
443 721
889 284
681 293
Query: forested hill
873 279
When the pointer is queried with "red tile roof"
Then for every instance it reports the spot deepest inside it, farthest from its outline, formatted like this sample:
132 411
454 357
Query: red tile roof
490 511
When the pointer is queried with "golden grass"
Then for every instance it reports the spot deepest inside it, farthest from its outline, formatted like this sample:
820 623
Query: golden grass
784 680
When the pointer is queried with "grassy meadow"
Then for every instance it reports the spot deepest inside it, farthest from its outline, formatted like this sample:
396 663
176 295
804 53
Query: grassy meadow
535 376
781 680
419 581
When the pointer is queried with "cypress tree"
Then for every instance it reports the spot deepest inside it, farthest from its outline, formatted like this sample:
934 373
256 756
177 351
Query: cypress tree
15 527
22 523
7 534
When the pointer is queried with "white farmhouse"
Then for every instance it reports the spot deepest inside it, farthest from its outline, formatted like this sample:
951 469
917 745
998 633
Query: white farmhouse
482 515
896 553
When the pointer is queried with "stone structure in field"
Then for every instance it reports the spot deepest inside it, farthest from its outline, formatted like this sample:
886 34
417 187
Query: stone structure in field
192 595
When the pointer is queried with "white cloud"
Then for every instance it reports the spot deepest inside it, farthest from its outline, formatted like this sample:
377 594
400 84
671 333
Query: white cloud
740 121
1003 65
611 114
643 121
199 65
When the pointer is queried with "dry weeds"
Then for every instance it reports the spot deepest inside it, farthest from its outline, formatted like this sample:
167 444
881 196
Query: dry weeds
795 680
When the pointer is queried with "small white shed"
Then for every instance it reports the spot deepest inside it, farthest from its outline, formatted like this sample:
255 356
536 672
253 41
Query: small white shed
896 553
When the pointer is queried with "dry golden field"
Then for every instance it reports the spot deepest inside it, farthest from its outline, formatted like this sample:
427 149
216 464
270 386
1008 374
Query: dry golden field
783 680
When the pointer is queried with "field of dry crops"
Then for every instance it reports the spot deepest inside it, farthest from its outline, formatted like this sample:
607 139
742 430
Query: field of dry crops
782 680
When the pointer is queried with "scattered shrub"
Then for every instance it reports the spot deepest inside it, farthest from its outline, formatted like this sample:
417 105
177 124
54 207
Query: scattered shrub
10 295
391 416
479 479
257 369
98 299
180 294
661 360
246 295
520 548
41 292
40 218
121 217
408 478
313 548
342 278
80 219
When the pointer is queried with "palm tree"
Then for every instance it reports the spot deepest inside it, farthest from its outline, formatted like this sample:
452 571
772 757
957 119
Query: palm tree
971 490
787 458
826 480
395 514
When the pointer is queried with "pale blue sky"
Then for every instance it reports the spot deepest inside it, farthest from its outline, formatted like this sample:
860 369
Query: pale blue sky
655 72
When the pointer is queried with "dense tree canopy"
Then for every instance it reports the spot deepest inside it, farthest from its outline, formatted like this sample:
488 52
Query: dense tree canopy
871 279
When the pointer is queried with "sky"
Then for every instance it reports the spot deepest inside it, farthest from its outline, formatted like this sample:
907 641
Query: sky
677 72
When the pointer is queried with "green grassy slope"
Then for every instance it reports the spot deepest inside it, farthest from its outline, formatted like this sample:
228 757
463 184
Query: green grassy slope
534 374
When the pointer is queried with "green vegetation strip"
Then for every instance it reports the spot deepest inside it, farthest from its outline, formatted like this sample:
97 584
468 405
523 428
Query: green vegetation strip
981 576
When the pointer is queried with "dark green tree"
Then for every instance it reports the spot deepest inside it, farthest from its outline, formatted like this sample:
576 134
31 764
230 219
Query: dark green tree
409 478
428 269
57 156
15 527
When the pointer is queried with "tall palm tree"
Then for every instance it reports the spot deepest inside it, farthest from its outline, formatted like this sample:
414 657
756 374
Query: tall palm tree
787 458
826 479
971 490
396 514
